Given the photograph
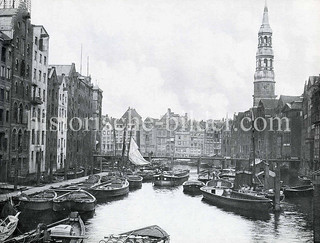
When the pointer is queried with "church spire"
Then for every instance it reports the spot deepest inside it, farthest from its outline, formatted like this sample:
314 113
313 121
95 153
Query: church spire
264 83
265 27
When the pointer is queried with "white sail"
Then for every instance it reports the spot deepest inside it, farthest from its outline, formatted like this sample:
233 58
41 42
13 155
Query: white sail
135 156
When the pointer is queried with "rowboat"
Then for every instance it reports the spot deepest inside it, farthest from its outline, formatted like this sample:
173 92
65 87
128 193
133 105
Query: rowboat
192 186
148 234
298 191
38 201
80 200
221 183
70 174
205 176
71 229
134 181
305 180
8 226
147 175
226 198
171 178
229 174
109 189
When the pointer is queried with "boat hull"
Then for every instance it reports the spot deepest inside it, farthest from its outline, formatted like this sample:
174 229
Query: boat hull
237 203
192 188
166 180
304 191
37 206
73 206
105 194
135 182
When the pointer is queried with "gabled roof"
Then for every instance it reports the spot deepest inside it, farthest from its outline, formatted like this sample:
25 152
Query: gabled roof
132 112
64 69
288 99
269 103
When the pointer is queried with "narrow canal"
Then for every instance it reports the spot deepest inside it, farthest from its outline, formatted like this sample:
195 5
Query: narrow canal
188 218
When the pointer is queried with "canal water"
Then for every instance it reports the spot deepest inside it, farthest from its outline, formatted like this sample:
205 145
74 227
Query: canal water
188 218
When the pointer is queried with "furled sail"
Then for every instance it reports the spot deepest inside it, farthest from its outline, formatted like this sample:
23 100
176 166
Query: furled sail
135 156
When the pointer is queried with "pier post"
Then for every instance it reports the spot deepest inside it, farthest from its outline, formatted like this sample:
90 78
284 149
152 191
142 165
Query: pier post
198 165
277 188
316 208
266 176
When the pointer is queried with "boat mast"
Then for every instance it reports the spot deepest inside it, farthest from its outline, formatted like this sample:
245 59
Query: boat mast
115 144
124 142
130 137
253 151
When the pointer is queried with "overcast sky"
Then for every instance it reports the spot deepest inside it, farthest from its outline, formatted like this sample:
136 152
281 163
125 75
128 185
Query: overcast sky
195 56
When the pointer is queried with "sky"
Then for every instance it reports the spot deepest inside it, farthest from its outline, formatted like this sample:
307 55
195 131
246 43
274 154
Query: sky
193 56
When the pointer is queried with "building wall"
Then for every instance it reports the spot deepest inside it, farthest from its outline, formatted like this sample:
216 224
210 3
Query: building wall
5 98
39 77
15 23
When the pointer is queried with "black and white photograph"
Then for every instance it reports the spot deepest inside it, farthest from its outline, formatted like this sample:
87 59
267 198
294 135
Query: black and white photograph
139 121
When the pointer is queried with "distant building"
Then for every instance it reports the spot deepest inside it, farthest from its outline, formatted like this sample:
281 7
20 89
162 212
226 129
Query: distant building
5 99
308 128
315 116
39 78
17 30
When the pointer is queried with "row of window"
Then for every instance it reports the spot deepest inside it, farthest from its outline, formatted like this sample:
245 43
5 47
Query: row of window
4 95
41 57
35 137
19 139
41 76
5 72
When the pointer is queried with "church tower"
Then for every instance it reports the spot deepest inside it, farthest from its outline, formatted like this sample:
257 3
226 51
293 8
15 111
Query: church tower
264 84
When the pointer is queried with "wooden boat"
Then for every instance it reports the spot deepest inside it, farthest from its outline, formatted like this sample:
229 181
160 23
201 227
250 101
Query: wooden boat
80 200
192 186
38 201
171 178
298 191
205 176
147 175
112 188
71 229
70 174
229 174
227 198
305 180
8 226
145 235
221 183
134 181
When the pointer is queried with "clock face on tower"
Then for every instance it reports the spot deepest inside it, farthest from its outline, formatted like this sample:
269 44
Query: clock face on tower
266 86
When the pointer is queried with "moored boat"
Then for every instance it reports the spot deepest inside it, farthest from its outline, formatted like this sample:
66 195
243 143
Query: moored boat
38 201
134 181
171 178
298 191
192 186
205 176
221 183
227 198
8 226
147 175
144 235
79 200
229 174
109 189
71 229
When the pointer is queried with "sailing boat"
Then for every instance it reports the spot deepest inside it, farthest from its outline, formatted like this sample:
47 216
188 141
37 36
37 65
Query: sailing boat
135 157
